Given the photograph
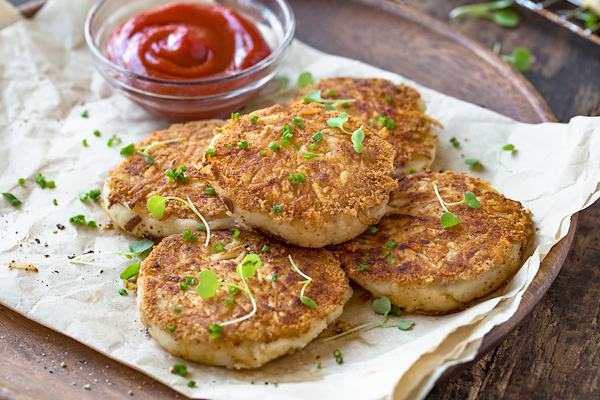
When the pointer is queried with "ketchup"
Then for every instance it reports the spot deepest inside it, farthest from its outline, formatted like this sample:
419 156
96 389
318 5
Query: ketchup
187 41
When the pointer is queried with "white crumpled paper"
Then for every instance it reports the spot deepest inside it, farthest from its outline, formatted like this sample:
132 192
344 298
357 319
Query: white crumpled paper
47 80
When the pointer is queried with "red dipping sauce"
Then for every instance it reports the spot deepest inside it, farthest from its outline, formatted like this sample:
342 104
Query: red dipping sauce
187 41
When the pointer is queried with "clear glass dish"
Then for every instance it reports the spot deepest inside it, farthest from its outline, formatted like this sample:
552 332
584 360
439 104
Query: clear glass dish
198 99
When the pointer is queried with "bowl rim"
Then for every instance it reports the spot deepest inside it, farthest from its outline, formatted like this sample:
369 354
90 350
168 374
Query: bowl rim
275 54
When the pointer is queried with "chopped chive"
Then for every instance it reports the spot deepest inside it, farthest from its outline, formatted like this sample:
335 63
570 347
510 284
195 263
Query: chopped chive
92 224
273 146
392 245
309 155
372 229
298 146
12 199
235 115
262 152
391 261
390 123
317 137
78 219
274 277
210 191
230 146
331 93
183 286
123 292
21 181
237 233
229 302
54 202
372 121
338 356
455 142
176 309
367 255
298 122
180 369
254 119
219 247
412 171
171 329
215 330
243 144
387 255
210 151
264 248
190 280
382 120
84 114
312 146
277 209
96 133
388 99
233 290
363 267
319 366
114 140
84 142
201 228
191 384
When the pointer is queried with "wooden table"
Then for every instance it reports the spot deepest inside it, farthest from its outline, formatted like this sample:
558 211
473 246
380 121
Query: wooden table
554 354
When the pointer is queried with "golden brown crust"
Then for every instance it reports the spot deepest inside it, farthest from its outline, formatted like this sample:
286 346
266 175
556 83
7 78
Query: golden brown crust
427 252
338 179
411 136
280 313
134 180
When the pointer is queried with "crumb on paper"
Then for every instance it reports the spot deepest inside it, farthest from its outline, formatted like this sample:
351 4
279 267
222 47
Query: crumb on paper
130 285
20 265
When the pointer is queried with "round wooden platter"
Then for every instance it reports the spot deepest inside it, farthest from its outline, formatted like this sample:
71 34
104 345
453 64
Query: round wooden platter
378 32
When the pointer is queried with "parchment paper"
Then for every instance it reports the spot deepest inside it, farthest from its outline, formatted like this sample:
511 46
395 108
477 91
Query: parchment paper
47 80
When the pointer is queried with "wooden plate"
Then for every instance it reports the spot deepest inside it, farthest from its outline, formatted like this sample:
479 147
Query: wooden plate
379 32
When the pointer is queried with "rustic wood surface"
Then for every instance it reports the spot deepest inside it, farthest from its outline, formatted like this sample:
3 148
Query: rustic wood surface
554 353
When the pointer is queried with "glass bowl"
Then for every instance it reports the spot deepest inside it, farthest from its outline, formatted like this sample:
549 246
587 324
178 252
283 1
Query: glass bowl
198 99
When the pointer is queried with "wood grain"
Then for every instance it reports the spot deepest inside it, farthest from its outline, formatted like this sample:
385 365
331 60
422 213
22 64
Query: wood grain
387 34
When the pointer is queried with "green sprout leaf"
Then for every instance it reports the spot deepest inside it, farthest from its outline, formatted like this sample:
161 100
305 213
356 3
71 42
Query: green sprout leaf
588 17
520 58
506 18
471 161
338 122
207 284
405 325
357 138
382 306
249 265
130 149
508 147
308 302
471 200
156 205
127 150
330 104
496 11
304 80
141 246
448 219
130 271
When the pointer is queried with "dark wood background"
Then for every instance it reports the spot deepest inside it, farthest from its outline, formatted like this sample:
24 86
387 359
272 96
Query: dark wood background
555 353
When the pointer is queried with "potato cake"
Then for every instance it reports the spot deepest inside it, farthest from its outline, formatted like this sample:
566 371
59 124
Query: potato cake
394 111
134 181
422 266
184 323
286 172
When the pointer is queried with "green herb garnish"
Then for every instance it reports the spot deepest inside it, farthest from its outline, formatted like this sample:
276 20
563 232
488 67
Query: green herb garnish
363 267
496 11
96 133
219 247
208 284
21 181
304 299
210 191
277 209
171 329
84 142
180 369
122 292
40 180
338 356
93 194
131 148
113 140
235 115
372 229
77 219
92 224
254 119
315 96
236 233
298 122
187 235
412 171
304 80
273 146
177 174
183 286
243 144
12 199
84 114
474 161
298 178
455 142
448 219
54 202
157 205
211 152
520 58
381 306
274 277
265 248
309 155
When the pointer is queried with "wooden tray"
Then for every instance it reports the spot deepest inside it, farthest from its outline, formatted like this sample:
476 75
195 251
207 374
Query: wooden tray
379 32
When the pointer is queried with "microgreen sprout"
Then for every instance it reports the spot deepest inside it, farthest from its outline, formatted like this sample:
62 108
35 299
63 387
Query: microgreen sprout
208 284
12 199
357 136
304 80
520 58
131 148
381 306
138 249
474 161
113 140
305 299
177 174
448 219
157 205
496 11
315 96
